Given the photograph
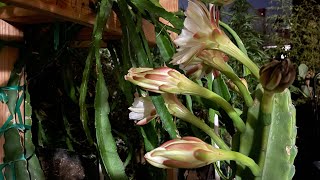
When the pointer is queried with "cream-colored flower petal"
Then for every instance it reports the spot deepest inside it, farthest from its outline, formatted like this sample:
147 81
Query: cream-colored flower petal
184 38
136 116
186 54
136 109
197 13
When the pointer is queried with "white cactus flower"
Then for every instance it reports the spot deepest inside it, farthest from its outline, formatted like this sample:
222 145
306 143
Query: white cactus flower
142 110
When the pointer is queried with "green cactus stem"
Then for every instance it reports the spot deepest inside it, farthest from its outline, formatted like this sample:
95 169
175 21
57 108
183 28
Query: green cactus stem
270 136
281 149
265 122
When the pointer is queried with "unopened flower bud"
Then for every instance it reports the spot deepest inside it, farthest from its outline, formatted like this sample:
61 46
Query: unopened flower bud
187 152
276 76
162 80
191 152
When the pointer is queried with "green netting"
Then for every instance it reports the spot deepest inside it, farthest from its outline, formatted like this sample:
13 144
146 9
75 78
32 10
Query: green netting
9 124
4 98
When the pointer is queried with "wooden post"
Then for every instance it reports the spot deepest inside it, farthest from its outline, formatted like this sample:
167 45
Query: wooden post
8 57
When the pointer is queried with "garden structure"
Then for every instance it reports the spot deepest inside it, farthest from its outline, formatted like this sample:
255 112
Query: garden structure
17 153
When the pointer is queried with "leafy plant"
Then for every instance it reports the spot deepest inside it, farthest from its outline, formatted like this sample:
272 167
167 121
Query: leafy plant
304 35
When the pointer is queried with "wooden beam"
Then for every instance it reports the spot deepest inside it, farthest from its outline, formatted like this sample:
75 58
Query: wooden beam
170 5
71 10
78 11
23 16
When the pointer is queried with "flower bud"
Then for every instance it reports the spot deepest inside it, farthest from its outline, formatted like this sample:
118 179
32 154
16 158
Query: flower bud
175 107
162 80
276 76
187 152
196 70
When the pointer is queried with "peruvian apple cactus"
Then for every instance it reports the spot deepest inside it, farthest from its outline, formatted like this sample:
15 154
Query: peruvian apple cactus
264 140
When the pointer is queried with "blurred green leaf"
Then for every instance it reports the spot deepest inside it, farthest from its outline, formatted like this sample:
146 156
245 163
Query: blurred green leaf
220 87
164 44
165 116
147 5
105 141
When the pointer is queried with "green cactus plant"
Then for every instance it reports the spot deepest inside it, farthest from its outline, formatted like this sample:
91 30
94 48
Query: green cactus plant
265 132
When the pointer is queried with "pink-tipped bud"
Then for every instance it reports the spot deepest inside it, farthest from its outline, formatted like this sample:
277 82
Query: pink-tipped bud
162 80
187 152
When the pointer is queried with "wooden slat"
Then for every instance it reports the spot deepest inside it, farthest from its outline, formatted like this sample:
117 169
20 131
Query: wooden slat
78 11
23 16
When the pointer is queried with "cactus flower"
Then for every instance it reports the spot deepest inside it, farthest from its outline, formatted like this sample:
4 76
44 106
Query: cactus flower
142 110
187 152
201 32
276 76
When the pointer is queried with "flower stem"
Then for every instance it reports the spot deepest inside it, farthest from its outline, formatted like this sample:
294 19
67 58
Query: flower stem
238 123
235 36
245 160
235 52
229 73
190 87
192 119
